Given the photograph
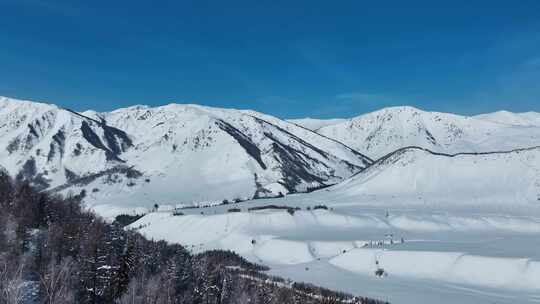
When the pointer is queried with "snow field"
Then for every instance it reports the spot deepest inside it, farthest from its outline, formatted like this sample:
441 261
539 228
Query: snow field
277 238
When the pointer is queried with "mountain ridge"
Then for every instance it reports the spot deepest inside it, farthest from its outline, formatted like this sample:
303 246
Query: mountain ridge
378 133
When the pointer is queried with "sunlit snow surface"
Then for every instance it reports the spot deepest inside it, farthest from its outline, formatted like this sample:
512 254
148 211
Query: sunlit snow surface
452 255
470 226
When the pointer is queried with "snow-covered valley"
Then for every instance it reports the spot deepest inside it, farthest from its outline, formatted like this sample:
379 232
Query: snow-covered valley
448 228
409 206
469 256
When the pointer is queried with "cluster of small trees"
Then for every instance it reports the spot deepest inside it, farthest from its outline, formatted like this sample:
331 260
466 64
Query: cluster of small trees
127 219
290 210
52 250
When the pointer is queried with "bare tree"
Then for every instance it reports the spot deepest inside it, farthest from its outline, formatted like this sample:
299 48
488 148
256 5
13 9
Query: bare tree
11 283
56 282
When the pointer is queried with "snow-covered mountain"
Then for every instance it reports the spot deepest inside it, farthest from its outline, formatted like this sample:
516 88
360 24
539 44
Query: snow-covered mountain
418 176
53 146
182 153
168 154
379 133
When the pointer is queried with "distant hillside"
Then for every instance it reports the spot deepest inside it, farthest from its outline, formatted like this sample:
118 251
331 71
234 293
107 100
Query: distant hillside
416 174
381 132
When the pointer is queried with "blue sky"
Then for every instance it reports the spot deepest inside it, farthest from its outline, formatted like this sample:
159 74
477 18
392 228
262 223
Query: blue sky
287 58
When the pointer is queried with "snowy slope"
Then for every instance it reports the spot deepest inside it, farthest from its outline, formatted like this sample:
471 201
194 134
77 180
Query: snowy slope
418 175
52 146
386 130
171 154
